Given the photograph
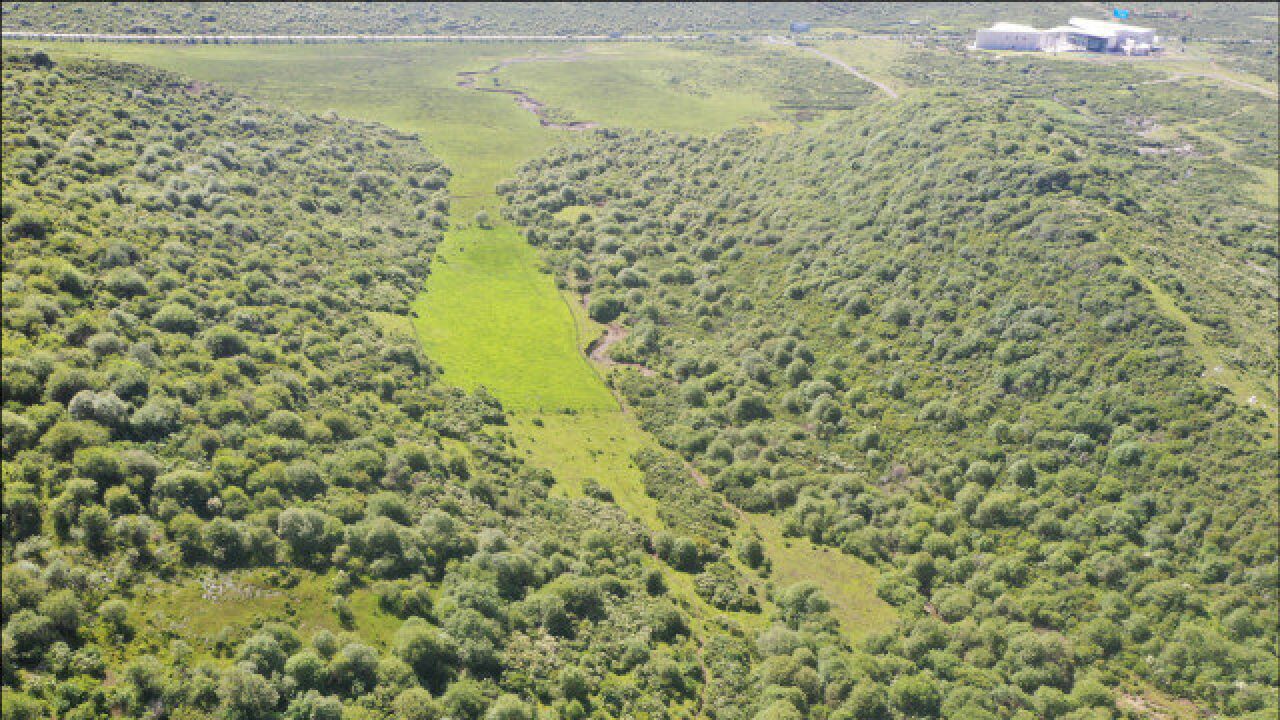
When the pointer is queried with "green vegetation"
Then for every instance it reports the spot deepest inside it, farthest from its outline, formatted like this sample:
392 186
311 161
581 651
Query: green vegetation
481 137
642 87
684 88
491 319
637 380
1239 30
977 429
233 485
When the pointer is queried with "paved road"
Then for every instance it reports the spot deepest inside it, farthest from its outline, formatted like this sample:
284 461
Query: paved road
312 39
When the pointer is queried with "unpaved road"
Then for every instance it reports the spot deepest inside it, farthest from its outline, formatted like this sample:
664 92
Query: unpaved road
852 70
835 61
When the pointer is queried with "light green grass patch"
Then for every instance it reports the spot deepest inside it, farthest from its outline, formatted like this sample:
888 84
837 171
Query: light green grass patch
595 445
1217 370
393 325
482 137
571 213
254 598
1197 64
848 583
600 446
1267 190
586 329
490 318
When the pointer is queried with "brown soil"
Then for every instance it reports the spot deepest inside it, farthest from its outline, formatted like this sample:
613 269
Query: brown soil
598 350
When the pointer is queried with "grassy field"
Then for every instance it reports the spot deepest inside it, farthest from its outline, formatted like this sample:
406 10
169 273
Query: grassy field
1217 371
482 137
847 582
600 446
490 318
1196 63
658 87
589 445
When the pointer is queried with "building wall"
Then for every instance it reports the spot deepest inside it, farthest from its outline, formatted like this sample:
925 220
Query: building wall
1004 40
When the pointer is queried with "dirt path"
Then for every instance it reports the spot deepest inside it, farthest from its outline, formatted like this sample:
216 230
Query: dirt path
614 333
468 78
852 70
837 62
598 350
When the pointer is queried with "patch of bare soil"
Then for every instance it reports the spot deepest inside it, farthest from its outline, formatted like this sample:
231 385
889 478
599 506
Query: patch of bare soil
598 350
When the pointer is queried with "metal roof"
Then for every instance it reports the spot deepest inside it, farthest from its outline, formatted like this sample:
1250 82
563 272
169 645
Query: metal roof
1012 27
1108 29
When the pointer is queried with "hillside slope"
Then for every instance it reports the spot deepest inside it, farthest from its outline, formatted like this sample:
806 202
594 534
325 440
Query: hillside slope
912 335
233 485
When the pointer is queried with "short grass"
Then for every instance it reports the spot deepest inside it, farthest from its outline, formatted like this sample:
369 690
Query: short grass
642 85
573 212
848 583
1217 371
482 137
586 329
600 446
490 318
393 325
589 445
1196 64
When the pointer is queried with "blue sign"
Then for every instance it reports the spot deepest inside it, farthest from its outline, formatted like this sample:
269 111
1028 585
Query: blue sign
1120 14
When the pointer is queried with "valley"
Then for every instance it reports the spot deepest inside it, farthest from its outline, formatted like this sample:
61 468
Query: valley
751 376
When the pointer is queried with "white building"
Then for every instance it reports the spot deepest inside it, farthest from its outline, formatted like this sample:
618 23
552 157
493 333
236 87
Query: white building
1079 34
1117 36
1009 36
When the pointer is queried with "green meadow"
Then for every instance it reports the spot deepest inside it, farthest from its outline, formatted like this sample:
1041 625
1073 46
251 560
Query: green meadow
659 87
482 137
489 315
490 318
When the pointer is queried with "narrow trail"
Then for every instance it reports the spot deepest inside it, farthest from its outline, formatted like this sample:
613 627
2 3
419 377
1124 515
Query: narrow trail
1215 73
852 70
467 79
598 349
835 61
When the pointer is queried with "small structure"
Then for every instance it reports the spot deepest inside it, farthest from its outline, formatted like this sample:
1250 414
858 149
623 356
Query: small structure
800 27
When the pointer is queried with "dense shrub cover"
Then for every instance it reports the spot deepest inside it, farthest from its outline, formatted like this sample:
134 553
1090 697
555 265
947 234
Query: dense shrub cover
923 335
208 399
912 333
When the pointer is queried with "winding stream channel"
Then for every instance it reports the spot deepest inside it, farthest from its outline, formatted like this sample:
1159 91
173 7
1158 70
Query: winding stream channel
469 79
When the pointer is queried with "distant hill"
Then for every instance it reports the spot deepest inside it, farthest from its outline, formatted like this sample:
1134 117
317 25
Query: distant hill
1212 19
